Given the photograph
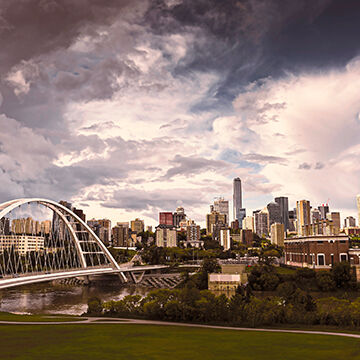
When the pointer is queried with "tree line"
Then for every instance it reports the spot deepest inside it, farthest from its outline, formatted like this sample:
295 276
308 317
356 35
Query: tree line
289 302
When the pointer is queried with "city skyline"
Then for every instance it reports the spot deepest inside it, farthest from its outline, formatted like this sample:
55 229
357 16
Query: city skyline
129 108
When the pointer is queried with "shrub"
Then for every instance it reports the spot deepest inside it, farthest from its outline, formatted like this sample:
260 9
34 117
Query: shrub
325 281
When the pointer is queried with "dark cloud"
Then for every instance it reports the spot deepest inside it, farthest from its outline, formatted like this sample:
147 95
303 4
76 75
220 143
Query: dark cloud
34 27
238 37
57 52
319 166
187 166
305 166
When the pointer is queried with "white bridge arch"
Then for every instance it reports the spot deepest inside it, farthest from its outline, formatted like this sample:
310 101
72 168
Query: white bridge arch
62 211
78 242
14 269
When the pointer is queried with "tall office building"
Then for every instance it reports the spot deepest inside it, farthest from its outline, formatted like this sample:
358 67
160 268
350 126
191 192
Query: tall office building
336 222
274 211
261 222
166 237
222 207
137 225
324 209
237 199
303 217
120 234
214 219
349 221
315 215
248 223
102 228
277 234
225 240
284 210
178 216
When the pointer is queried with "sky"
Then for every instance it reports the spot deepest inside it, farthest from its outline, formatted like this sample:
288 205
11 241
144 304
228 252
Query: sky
131 107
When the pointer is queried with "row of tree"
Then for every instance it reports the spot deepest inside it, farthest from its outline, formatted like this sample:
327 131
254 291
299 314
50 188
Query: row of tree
267 278
243 309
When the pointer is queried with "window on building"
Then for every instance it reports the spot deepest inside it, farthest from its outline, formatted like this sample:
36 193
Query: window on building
332 259
343 257
321 259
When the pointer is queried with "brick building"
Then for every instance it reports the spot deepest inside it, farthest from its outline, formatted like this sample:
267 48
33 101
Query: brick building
316 251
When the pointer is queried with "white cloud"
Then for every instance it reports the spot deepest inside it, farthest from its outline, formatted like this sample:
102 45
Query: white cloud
317 117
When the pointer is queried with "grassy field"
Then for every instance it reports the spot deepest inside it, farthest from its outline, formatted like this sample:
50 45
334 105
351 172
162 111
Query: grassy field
96 341
4 316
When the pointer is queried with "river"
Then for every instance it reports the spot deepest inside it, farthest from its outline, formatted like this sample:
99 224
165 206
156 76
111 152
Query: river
50 298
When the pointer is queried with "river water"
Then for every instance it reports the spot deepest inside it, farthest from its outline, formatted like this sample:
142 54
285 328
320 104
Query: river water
50 298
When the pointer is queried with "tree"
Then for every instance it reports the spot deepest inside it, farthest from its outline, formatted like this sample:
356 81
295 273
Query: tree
286 291
95 306
342 275
209 243
263 277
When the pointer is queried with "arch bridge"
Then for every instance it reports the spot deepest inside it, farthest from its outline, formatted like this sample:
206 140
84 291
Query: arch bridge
58 246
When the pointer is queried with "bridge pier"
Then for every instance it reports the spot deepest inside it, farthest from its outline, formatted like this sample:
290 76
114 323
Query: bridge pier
135 279
86 279
122 277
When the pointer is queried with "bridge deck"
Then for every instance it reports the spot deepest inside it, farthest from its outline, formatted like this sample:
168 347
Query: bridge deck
32 279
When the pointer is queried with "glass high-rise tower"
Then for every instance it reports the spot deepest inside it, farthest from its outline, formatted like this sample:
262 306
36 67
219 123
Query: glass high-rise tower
284 210
239 212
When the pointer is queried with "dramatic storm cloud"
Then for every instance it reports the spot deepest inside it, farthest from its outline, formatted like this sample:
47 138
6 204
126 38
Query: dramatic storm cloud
131 107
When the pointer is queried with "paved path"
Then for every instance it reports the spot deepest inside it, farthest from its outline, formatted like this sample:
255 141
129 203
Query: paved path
122 321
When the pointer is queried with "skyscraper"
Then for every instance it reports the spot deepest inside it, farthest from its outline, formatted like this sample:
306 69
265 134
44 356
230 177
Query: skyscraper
324 209
274 211
303 217
237 199
284 210
222 207
335 218
349 221
178 216
214 219
261 222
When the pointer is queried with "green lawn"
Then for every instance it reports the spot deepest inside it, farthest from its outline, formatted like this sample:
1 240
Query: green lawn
4 316
96 341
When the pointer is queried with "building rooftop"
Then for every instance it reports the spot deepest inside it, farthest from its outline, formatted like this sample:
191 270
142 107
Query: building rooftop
224 277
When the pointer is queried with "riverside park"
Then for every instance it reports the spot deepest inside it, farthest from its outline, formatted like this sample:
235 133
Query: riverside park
64 337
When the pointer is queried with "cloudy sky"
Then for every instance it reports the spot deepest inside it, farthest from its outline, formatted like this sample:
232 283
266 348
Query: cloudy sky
128 107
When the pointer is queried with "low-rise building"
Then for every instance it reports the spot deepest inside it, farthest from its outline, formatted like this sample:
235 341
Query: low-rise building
231 276
316 251
224 282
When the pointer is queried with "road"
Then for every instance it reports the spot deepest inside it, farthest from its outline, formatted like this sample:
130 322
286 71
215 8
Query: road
122 321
